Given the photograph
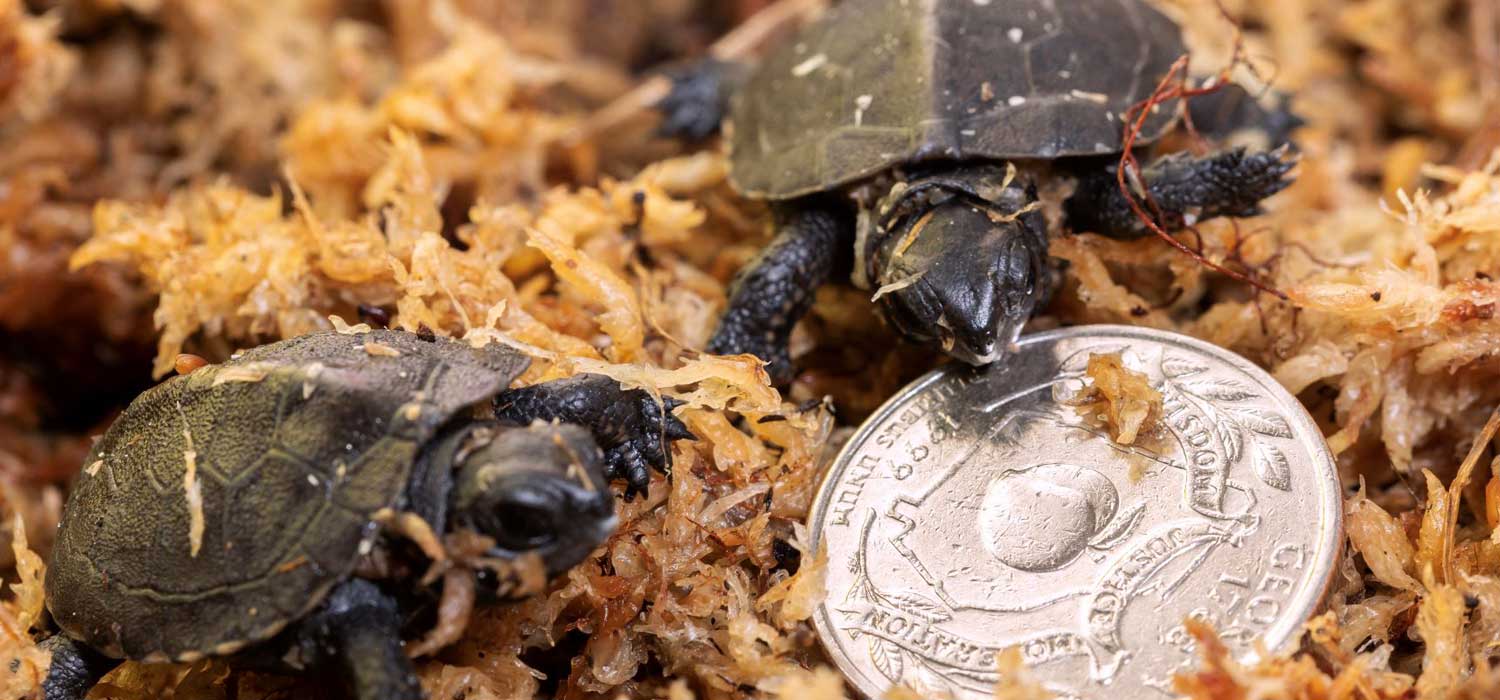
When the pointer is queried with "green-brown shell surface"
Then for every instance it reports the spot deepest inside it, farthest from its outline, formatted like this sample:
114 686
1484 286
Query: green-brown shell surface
291 448
878 83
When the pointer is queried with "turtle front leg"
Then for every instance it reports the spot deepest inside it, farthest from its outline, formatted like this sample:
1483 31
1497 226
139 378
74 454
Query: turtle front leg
632 429
358 631
75 669
1185 190
775 290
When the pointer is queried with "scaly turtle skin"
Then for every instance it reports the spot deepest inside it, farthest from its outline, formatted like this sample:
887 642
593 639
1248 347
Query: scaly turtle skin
233 503
899 141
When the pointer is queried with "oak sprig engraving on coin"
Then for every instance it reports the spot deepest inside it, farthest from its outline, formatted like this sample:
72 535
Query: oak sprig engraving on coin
1023 525
1222 400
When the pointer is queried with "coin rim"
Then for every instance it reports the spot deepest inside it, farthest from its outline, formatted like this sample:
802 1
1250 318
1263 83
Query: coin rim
1331 542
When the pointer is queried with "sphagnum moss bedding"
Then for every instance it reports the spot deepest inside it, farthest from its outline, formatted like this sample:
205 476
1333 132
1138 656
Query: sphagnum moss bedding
195 177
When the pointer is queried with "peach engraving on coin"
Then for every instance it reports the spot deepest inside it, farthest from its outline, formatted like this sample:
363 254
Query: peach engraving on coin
1043 517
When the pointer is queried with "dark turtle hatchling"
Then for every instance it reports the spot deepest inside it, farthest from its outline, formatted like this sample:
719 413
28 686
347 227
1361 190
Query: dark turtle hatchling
886 137
237 510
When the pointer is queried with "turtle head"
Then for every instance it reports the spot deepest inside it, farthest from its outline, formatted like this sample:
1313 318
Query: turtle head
539 489
959 262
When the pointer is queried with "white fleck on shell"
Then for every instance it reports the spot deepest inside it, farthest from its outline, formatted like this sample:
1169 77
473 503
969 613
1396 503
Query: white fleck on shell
861 104
806 68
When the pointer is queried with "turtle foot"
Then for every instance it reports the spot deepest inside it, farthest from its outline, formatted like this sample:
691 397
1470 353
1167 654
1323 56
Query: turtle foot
694 109
75 669
645 444
1183 190
633 429
1235 182
358 631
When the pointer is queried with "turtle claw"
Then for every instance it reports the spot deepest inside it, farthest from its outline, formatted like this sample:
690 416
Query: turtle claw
646 443
1256 177
1239 181
673 426
626 462
634 430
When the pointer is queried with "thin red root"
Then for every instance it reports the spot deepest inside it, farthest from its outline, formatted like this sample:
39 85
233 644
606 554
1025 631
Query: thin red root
1172 86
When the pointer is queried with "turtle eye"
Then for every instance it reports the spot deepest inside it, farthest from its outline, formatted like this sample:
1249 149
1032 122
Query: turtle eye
522 526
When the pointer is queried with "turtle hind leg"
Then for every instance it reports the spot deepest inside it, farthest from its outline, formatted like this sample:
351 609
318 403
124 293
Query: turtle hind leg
75 669
1184 190
775 290
696 106
358 632
1231 113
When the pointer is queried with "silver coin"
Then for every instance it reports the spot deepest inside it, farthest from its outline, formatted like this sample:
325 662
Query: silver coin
979 511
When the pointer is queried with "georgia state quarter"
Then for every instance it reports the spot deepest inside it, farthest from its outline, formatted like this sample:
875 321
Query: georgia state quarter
979 511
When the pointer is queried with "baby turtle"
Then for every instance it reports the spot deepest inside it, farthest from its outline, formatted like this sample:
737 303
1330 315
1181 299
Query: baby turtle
238 510
888 137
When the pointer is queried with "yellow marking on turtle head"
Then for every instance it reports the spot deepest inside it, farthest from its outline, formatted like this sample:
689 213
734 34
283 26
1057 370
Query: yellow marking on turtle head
999 218
187 363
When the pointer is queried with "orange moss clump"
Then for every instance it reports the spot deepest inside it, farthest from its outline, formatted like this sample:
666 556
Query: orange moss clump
1120 398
